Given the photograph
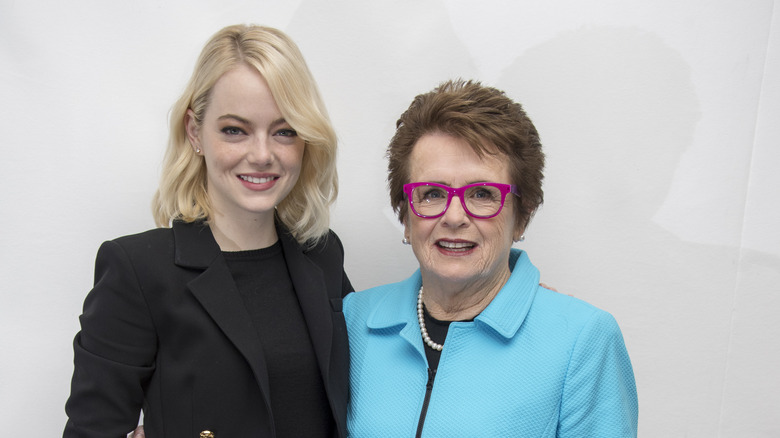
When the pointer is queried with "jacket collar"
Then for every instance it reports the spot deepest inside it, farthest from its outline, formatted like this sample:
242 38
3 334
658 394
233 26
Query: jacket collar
197 248
195 245
504 315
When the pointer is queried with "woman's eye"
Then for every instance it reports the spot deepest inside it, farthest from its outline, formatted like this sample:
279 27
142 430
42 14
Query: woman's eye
482 194
232 130
286 133
434 194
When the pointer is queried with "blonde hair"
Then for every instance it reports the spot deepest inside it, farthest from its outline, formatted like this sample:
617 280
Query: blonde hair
182 194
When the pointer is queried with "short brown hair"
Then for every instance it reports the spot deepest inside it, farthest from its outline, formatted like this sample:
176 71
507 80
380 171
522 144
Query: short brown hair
488 120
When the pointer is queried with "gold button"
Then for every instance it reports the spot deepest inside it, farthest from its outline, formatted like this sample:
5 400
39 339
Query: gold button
206 434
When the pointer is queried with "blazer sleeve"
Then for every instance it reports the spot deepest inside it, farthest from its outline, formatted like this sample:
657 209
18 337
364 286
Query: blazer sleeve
114 352
346 286
599 395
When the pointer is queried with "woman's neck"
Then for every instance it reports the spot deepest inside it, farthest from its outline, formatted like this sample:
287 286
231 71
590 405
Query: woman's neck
242 235
458 302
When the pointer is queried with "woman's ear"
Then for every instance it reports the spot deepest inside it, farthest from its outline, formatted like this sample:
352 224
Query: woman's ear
407 230
518 235
192 128
520 226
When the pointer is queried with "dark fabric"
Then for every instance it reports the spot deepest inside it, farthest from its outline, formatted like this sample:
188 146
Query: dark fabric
298 397
165 328
437 331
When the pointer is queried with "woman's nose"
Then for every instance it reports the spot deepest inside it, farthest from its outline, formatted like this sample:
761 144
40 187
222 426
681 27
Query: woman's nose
455 215
260 152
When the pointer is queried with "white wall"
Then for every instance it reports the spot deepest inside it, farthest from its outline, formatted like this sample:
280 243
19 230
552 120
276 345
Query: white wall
659 118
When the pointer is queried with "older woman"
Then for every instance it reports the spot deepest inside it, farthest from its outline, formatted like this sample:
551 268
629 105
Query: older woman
470 344
226 321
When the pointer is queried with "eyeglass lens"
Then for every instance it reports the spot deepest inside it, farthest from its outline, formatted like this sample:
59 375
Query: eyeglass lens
479 200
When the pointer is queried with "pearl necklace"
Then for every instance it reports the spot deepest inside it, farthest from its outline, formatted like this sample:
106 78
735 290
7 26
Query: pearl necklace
421 319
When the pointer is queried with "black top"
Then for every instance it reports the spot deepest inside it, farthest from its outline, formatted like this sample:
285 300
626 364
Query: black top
299 402
437 330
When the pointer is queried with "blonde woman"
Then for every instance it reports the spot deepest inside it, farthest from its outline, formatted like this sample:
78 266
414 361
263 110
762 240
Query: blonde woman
226 320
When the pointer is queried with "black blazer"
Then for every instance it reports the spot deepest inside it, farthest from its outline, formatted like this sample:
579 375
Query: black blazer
165 328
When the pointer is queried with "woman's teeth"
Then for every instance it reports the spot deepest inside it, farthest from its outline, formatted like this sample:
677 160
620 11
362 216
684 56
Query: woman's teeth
455 245
254 180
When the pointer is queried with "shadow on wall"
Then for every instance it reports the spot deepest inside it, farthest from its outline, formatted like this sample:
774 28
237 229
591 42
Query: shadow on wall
383 60
616 109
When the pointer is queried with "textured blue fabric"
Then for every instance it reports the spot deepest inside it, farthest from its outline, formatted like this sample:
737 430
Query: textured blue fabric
534 363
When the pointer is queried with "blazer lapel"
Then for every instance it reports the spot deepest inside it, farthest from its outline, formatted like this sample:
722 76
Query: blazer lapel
217 293
309 283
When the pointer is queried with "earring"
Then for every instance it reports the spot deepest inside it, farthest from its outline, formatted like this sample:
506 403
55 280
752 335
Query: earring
405 241
521 239
197 150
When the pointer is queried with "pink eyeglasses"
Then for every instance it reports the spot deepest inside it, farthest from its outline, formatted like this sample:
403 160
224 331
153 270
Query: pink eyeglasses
481 200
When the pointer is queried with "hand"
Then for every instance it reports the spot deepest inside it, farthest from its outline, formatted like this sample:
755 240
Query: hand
137 433
552 288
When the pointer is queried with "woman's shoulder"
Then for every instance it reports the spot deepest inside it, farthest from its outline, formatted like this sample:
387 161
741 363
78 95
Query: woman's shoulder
577 312
145 236
327 252
326 243
145 241
553 305
194 237
139 247
178 230
369 298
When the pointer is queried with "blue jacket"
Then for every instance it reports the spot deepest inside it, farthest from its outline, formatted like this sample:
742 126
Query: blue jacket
534 363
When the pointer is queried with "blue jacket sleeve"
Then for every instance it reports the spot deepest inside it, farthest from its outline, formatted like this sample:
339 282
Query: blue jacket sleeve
114 352
599 396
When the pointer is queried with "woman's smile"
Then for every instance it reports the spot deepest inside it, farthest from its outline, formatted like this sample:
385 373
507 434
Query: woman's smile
455 247
258 182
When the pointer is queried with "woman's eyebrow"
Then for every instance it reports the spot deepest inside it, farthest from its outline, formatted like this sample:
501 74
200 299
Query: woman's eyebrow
279 121
275 123
235 117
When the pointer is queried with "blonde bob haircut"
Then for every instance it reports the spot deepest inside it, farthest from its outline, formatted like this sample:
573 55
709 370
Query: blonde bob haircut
182 194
